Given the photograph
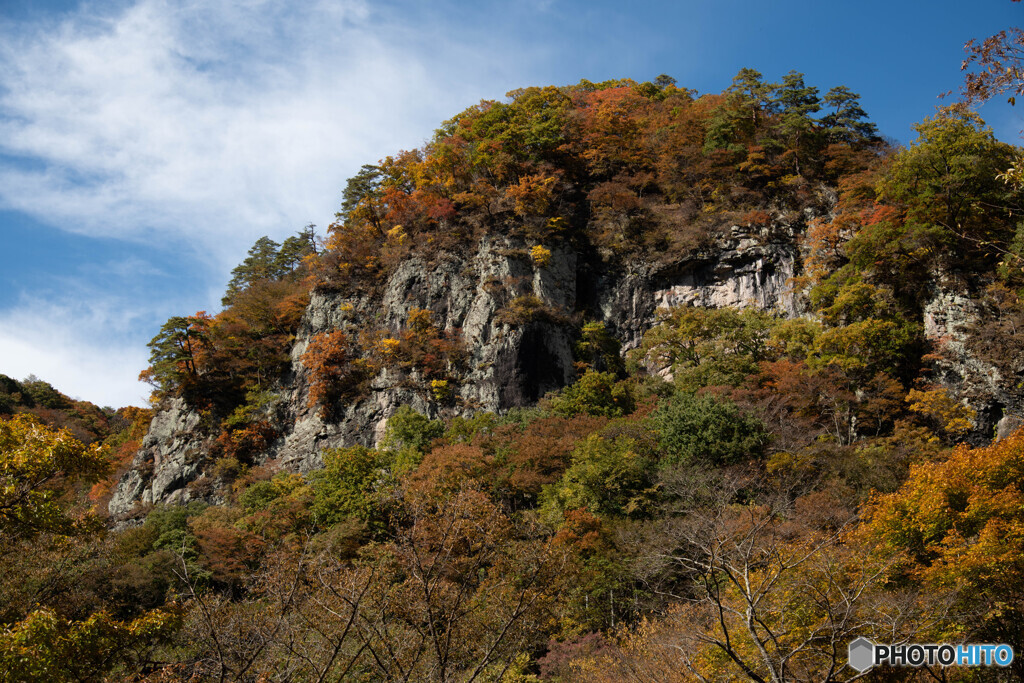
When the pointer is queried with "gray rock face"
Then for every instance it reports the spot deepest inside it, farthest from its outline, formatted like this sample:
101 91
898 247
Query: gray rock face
945 318
979 384
755 276
506 365
172 455
509 363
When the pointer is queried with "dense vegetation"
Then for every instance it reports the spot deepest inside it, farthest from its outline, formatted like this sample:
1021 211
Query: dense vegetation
735 499
86 421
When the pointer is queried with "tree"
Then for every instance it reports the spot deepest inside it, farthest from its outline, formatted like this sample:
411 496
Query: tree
796 102
706 430
38 470
753 93
961 524
408 436
42 393
664 81
706 347
768 590
721 132
848 123
595 393
865 348
945 416
994 66
597 349
172 356
335 370
45 648
260 264
607 477
468 593
269 261
536 123
612 123
348 486
457 593
361 191
294 250
947 177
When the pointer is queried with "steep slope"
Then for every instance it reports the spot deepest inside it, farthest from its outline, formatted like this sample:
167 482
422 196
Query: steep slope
511 360
458 277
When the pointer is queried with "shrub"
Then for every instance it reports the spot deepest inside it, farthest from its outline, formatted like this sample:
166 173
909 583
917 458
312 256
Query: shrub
541 255
334 370
607 477
706 429
244 444
526 309
422 349
598 349
596 393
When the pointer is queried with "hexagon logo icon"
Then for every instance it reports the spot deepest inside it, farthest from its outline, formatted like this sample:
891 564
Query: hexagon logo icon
861 654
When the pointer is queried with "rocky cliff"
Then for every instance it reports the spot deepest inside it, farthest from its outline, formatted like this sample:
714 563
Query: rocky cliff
511 361
992 394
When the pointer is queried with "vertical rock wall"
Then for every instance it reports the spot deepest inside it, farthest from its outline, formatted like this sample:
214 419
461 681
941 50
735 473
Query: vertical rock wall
508 364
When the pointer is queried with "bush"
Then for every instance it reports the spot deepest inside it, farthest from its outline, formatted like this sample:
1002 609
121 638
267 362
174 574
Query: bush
526 309
706 429
596 393
607 477
598 350
335 371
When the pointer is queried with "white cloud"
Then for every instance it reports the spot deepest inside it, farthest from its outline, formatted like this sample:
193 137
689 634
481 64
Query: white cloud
216 122
75 348
206 124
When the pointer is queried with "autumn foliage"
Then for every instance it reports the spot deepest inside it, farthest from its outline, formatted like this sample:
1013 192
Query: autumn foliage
735 497
959 523
333 372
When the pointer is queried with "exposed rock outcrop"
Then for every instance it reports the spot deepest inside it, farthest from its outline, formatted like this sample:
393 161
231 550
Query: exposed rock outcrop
511 362
979 384
171 456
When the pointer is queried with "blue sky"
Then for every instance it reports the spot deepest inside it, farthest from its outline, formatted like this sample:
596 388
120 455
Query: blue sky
146 144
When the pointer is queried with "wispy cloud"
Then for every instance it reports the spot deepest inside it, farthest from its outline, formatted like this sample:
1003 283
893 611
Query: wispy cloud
208 120
197 127
85 348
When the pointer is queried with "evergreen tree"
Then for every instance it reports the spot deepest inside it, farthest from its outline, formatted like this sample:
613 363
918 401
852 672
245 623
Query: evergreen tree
294 249
796 103
848 123
360 190
172 361
752 93
260 264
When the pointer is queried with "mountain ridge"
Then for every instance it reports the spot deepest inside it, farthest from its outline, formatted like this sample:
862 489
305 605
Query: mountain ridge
458 276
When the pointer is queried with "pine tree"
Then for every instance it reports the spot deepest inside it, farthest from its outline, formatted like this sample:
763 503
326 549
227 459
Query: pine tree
848 123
